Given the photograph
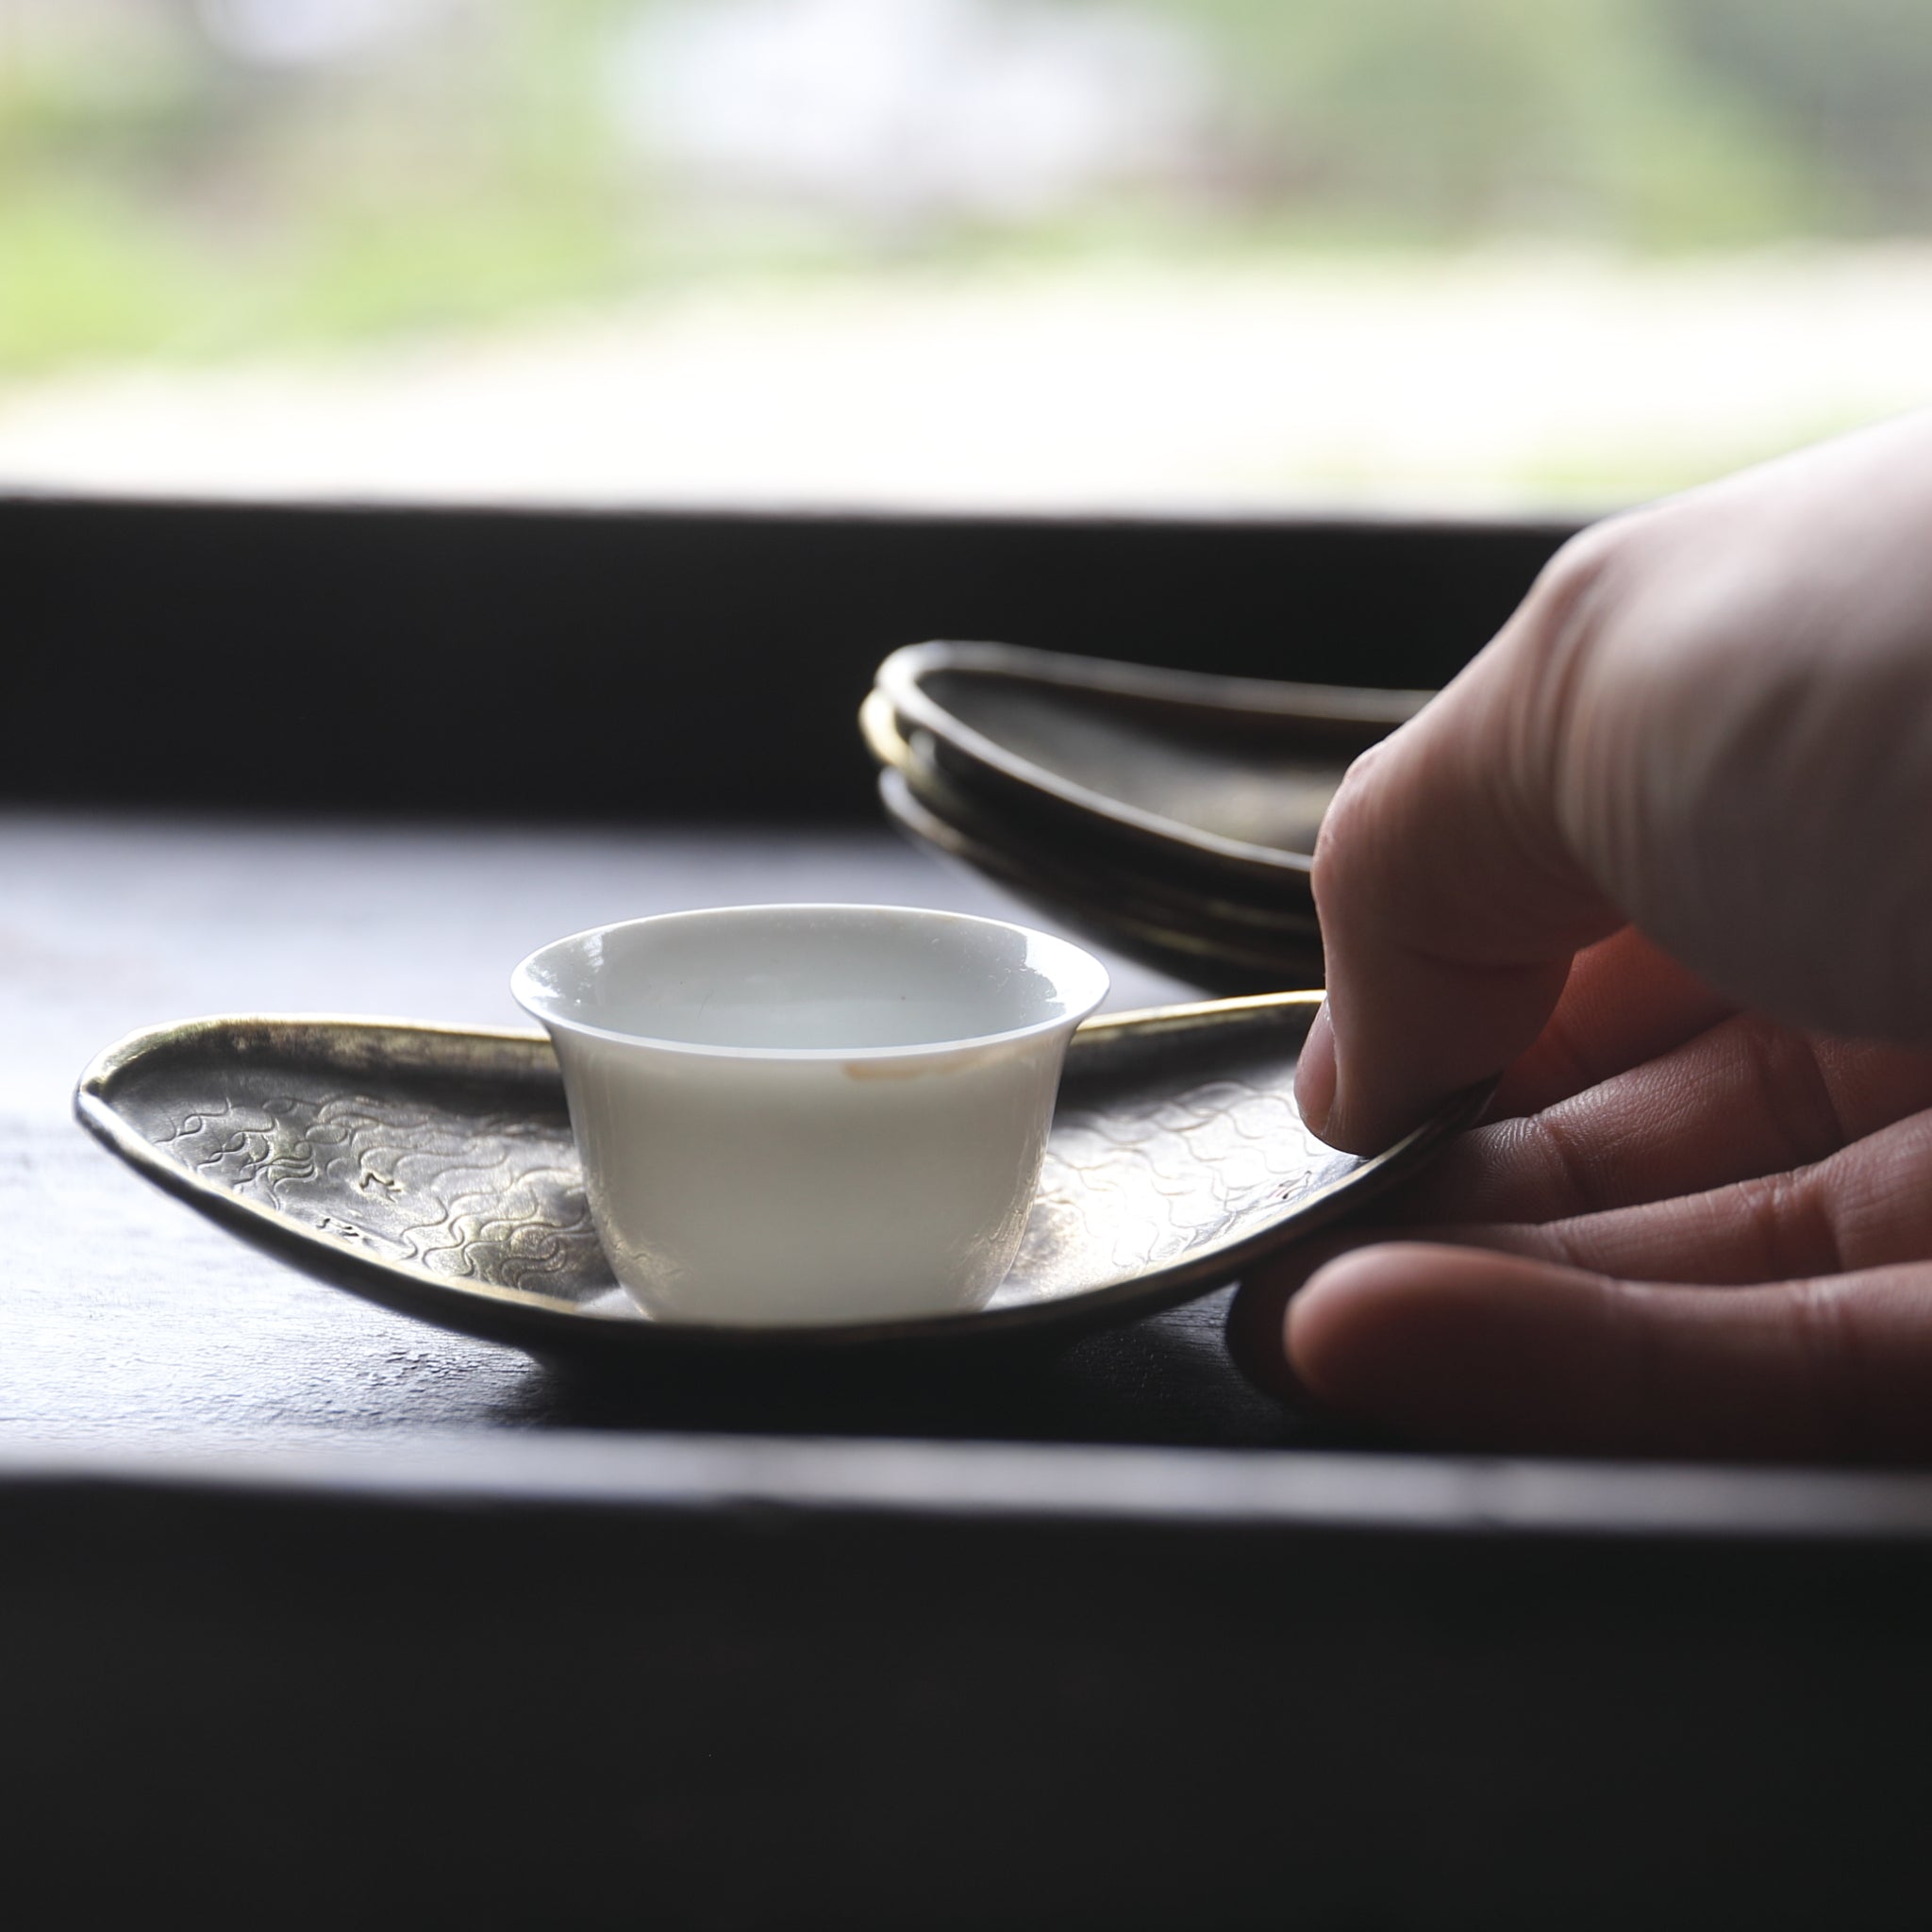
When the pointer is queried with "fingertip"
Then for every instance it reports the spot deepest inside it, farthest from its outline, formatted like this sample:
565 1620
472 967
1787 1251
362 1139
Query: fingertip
1327 1101
1386 1083
1460 1345
1351 1129
1450 905
1337 1332
1315 1073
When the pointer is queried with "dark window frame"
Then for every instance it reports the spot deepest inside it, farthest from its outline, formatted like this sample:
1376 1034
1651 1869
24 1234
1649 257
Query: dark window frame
642 663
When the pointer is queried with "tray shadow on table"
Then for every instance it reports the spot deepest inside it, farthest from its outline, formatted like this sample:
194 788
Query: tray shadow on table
1164 1380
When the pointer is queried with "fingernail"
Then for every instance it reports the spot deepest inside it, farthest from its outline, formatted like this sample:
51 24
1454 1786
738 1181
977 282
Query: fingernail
1314 1074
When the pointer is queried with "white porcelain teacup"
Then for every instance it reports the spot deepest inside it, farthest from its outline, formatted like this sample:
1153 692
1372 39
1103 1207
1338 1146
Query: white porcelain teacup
808 1114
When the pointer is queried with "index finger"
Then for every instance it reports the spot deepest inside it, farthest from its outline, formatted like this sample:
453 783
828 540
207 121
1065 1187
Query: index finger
1451 903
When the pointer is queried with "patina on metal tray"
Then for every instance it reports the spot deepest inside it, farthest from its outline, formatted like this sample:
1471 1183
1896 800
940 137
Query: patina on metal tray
432 1169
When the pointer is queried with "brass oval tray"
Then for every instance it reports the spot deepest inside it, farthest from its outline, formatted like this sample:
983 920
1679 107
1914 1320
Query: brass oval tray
431 1169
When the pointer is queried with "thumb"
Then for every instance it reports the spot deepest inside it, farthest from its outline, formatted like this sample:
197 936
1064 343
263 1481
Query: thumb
1479 1350
1451 905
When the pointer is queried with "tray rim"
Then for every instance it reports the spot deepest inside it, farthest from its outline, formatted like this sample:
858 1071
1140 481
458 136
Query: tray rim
523 1317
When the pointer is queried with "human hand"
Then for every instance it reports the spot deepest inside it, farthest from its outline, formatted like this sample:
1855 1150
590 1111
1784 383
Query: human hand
1696 1228
1683 1230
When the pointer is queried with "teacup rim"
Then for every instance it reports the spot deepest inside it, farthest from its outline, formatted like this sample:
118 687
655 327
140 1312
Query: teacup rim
1072 956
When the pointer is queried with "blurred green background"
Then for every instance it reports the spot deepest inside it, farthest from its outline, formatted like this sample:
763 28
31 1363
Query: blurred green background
184 180
1228 252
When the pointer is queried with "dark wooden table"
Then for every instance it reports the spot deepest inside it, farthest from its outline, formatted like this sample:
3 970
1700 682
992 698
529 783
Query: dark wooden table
311 1610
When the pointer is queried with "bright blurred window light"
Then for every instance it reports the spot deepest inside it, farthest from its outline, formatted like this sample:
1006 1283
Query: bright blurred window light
1194 255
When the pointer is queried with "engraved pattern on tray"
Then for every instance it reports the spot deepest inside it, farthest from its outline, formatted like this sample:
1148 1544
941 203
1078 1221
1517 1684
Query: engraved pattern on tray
1188 1163
494 1197
1138 1175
